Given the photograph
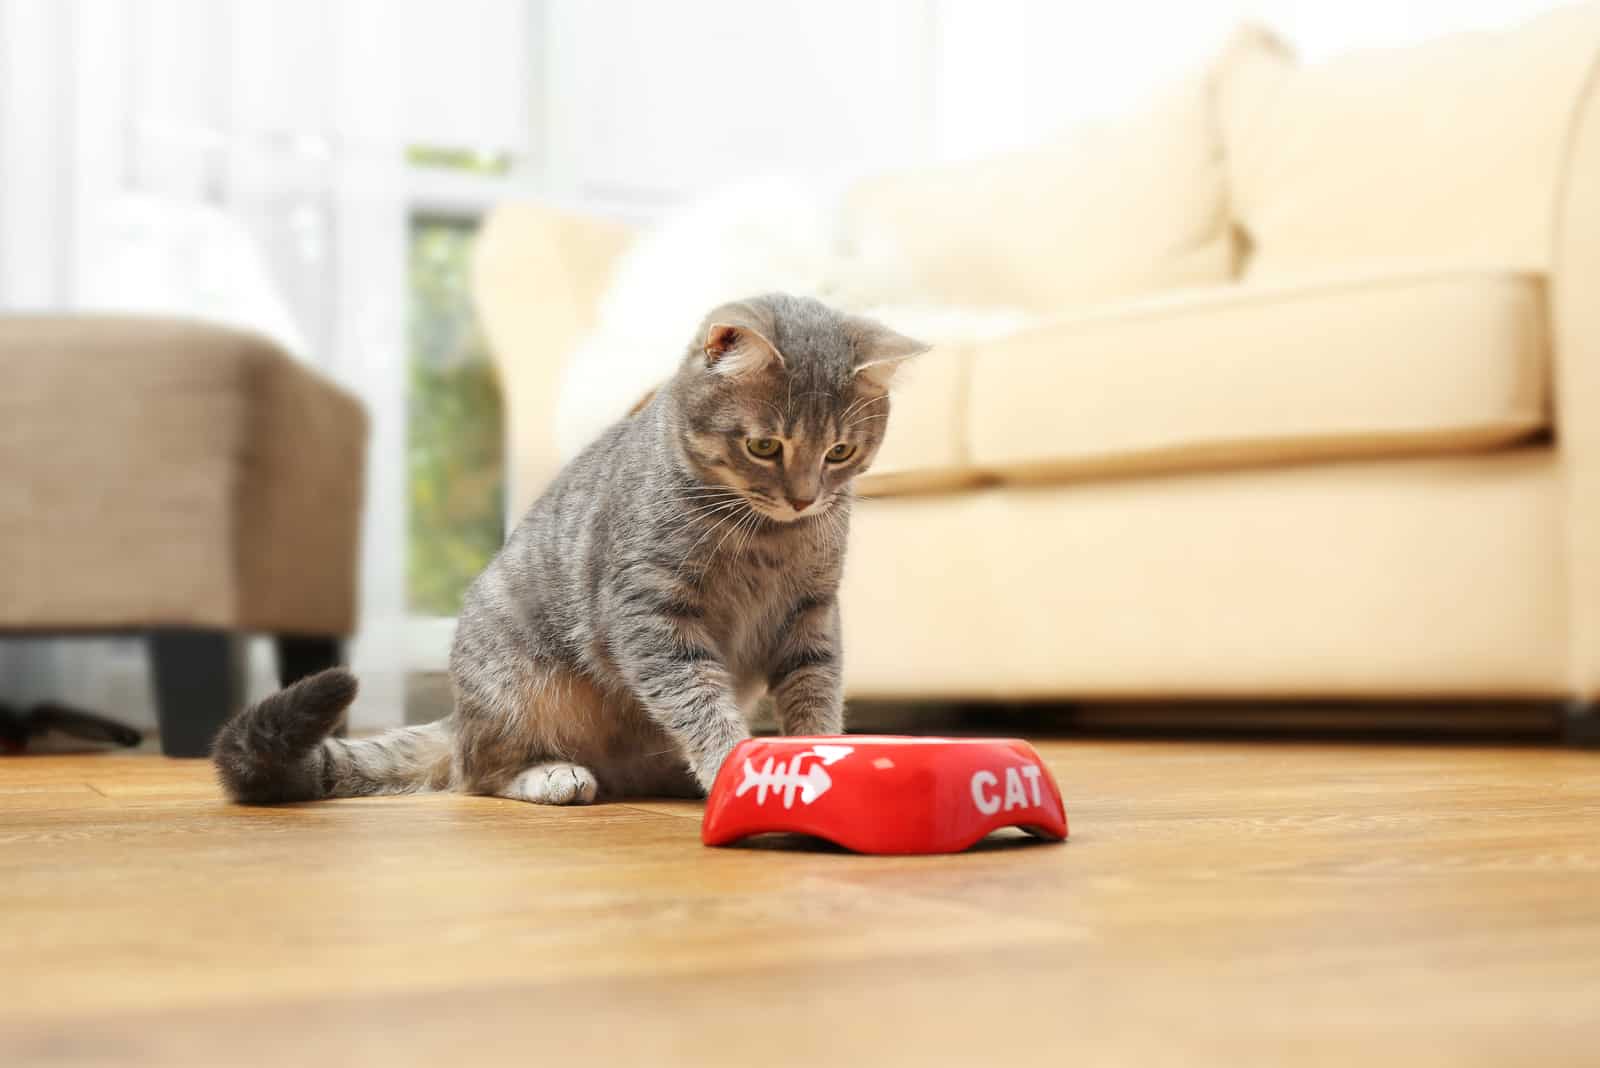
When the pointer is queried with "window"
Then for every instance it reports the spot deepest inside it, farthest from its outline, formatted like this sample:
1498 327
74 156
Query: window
449 501
454 439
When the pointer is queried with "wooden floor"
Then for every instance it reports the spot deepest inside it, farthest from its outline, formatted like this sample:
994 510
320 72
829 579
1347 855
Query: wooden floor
1226 902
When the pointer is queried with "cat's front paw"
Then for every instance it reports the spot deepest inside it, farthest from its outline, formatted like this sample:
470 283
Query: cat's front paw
706 774
705 771
823 718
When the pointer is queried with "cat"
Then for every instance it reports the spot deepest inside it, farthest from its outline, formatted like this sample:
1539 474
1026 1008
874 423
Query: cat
683 564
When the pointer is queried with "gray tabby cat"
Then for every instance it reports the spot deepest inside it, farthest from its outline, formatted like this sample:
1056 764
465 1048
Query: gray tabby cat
680 566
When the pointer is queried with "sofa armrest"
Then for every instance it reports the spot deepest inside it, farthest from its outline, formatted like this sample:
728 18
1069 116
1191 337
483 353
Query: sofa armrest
1575 309
538 273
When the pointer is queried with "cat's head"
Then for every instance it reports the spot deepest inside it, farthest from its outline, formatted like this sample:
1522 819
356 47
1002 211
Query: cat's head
784 400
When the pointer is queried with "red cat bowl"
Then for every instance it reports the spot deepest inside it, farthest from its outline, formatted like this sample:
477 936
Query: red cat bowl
883 793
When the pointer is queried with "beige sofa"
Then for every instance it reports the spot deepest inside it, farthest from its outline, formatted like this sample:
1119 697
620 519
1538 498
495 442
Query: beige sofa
1314 410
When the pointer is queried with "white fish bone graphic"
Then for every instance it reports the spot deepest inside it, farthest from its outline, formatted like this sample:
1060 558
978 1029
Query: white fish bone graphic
808 778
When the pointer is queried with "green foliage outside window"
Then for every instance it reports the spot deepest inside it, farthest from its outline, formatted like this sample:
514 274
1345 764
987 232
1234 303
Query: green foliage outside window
455 455
459 159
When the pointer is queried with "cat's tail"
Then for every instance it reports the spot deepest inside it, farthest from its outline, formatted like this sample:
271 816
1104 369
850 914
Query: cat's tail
279 749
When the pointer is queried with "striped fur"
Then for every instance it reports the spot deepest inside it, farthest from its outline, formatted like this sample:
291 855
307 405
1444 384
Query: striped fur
665 581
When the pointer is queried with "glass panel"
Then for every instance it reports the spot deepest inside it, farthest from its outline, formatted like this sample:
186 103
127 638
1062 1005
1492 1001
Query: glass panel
454 443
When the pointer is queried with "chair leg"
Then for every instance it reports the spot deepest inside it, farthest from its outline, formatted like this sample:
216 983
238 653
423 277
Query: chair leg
199 681
300 655
1580 724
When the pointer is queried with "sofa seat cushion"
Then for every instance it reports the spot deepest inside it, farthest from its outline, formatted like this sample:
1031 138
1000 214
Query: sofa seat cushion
1401 364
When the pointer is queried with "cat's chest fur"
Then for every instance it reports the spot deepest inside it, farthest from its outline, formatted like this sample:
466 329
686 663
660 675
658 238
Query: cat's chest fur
751 593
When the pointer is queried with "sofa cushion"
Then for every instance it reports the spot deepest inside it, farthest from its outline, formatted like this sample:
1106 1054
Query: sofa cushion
1426 362
1446 152
1128 208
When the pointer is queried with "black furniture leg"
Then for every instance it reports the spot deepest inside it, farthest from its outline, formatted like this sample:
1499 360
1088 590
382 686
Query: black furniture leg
199 681
300 655
1580 724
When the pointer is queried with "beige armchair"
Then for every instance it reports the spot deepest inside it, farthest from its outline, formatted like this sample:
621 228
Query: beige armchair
1325 425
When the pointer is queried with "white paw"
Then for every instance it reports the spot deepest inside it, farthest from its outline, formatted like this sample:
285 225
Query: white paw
557 783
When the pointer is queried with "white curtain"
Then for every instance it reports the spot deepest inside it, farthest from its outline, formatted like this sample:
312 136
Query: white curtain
243 160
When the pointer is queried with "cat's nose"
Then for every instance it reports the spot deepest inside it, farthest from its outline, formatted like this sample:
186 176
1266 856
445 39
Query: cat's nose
799 504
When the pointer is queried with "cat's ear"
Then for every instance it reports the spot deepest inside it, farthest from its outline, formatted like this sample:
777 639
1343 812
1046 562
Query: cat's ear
880 352
738 348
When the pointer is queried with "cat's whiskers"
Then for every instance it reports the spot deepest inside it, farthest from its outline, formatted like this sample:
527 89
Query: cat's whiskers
712 495
704 507
700 507
672 508
744 542
714 528
861 405
673 524
725 537
755 527
711 557
702 515
680 512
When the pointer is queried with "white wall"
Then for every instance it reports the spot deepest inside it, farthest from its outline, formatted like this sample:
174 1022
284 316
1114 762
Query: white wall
644 103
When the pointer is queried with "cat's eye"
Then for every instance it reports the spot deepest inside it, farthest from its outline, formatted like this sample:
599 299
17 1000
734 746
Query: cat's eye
763 448
841 452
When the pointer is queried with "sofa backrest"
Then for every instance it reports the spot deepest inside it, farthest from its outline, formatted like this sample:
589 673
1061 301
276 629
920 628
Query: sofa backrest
1112 211
1445 152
